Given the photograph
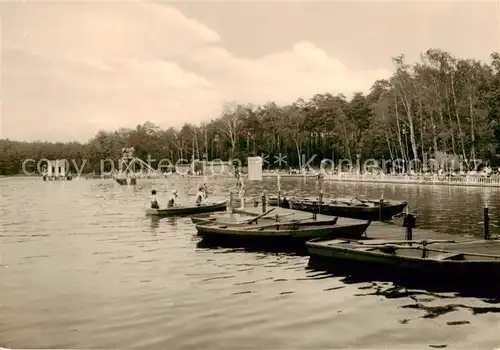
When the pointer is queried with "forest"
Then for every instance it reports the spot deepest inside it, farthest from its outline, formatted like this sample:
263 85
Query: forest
441 106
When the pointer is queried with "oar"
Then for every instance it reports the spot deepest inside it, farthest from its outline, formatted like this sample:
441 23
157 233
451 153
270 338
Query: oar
205 221
366 201
276 224
382 242
259 216
257 227
241 222
361 200
284 215
393 246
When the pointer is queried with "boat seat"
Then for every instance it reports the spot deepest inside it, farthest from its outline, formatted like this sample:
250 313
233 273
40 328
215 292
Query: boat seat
337 241
445 256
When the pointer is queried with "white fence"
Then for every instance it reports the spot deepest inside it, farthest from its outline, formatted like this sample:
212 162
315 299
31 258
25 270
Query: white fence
493 181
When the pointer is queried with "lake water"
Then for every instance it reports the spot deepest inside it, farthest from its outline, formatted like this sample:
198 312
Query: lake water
82 267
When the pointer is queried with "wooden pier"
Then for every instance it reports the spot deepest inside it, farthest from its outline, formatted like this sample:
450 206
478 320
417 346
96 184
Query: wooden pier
388 231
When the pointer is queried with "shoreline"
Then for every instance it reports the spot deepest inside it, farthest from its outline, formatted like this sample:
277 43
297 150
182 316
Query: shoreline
403 180
385 179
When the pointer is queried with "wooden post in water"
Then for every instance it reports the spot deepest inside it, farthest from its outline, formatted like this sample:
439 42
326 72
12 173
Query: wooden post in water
231 201
410 223
320 197
315 211
279 192
486 222
380 209
320 200
263 202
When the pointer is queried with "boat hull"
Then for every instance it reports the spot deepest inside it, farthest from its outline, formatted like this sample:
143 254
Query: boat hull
362 212
185 210
286 238
453 274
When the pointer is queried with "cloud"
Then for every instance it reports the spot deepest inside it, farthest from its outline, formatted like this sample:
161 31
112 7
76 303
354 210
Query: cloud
304 70
72 68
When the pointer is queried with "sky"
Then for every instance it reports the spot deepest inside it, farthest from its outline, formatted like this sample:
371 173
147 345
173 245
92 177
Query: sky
69 69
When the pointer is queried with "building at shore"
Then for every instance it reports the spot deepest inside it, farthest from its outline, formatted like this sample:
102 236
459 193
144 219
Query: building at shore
57 170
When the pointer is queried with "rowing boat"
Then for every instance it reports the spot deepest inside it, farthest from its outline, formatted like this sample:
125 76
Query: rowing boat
126 181
209 207
409 258
278 234
363 209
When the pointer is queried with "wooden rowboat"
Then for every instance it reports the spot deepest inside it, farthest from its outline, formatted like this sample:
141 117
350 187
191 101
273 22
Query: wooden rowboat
362 209
188 210
277 235
413 261
126 181
121 181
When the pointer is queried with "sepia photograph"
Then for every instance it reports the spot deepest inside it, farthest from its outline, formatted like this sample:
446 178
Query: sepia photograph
249 175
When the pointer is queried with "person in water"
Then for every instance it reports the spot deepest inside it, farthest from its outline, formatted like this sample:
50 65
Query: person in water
171 201
154 202
200 196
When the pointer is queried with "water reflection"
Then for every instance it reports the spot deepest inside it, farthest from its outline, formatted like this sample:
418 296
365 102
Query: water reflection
254 245
358 273
155 222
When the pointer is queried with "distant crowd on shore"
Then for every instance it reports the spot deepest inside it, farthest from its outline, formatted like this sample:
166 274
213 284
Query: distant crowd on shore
485 172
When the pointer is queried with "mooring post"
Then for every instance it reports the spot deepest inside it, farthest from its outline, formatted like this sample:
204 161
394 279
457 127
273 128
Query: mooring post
279 191
380 209
315 211
410 223
320 200
486 222
263 202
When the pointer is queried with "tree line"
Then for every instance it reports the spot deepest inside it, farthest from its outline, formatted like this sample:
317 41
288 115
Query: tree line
440 107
